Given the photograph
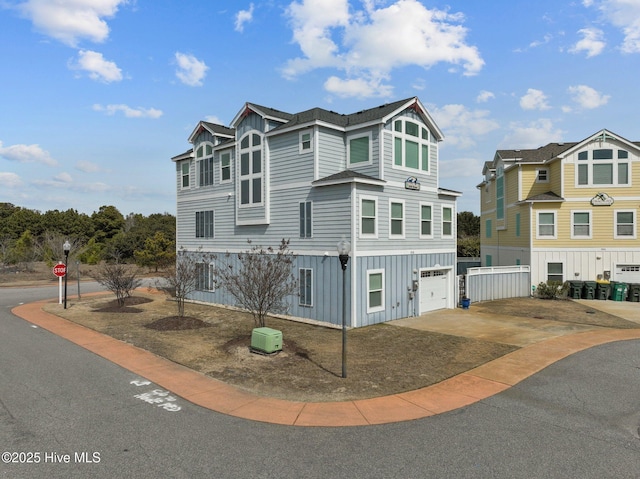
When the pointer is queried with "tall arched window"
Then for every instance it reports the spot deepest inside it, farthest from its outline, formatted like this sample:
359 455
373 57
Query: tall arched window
251 169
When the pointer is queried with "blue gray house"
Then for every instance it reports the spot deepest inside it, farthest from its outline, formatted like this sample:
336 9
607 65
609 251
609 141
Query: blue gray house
315 177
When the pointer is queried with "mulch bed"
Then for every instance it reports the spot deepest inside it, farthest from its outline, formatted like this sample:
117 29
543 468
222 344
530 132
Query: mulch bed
177 323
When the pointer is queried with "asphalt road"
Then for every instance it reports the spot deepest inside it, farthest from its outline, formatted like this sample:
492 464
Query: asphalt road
577 418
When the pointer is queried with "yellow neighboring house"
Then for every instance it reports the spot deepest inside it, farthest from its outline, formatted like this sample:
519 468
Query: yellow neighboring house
569 210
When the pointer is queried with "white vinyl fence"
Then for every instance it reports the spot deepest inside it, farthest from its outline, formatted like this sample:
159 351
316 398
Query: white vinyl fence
496 282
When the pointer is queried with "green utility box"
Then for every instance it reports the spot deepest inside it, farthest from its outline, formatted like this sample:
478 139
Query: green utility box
575 289
266 340
589 290
602 290
618 291
634 292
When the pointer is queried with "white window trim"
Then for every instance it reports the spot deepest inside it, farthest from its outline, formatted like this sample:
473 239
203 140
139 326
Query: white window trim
211 280
230 180
251 176
546 174
188 175
404 219
555 225
588 236
418 139
615 225
311 235
564 270
355 137
423 203
615 161
453 224
375 309
300 303
360 233
308 131
213 224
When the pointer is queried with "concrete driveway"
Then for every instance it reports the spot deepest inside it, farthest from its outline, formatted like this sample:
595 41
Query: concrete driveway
517 331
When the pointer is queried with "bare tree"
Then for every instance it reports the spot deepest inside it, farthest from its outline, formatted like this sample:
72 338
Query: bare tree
120 279
261 280
187 276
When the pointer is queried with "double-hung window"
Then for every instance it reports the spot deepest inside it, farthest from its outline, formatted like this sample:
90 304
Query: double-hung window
305 282
204 277
546 225
375 290
305 219
204 160
555 272
225 167
359 149
306 141
184 171
625 224
251 170
396 218
204 224
447 222
426 220
580 224
542 175
410 145
368 217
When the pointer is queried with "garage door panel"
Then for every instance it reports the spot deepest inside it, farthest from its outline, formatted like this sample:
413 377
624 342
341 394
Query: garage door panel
628 273
433 290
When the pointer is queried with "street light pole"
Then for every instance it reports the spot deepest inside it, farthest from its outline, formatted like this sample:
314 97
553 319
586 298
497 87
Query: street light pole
344 248
66 247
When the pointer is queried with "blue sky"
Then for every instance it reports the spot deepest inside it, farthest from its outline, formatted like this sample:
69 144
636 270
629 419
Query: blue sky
96 96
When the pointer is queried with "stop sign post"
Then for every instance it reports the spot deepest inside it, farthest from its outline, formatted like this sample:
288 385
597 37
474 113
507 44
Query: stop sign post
60 270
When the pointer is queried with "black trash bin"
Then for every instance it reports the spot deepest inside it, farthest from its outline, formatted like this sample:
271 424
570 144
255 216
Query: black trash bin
602 290
575 289
589 290
634 292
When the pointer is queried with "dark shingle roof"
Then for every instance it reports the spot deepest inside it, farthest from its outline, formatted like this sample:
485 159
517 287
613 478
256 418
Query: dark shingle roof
544 153
220 129
271 111
345 174
363 116
548 196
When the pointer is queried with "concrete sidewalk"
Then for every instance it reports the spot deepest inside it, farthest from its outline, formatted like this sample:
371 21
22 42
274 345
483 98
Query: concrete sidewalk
540 347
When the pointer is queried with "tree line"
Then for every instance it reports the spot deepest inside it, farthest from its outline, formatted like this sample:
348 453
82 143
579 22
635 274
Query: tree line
106 235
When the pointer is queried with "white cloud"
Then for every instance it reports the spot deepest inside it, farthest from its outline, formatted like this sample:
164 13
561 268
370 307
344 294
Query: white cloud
70 21
484 96
357 87
587 97
625 15
242 17
191 71
214 119
98 68
591 42
10 180
27 154
462 127
534 100
371 43
546 39
128 111
531 135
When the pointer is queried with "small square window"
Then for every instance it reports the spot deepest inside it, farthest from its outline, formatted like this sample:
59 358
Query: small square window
543 176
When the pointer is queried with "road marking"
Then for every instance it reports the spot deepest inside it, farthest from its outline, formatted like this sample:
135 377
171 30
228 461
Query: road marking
159 397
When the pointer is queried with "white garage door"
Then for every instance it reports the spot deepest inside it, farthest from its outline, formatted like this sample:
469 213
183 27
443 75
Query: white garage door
433 290
627 273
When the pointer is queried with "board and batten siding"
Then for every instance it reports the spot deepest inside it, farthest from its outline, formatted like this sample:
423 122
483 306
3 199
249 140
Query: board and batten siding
398 277
326 287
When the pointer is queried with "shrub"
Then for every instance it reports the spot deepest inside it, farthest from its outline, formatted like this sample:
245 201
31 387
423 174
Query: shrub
552 290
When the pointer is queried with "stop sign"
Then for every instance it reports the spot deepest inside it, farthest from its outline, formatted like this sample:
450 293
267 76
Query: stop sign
60 270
